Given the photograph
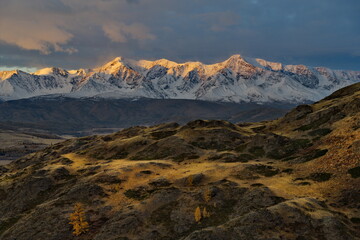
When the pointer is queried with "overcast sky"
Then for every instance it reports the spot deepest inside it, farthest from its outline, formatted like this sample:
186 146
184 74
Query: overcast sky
87 33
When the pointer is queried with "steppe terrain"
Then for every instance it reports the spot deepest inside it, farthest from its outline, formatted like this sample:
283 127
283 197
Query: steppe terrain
296 177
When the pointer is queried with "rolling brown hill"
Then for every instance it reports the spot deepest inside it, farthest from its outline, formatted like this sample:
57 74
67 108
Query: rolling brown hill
296 177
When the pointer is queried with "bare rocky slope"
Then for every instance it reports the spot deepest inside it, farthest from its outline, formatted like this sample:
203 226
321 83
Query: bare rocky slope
292 178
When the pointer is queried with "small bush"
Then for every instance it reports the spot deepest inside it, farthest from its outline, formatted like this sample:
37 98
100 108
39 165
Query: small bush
258 129
354 172
205 213
207 195
300 143
190 181
197 215
320 177
355 220
78 220
257 151
264 170
320 132
245 157
107 138
213 144
316 154
288 170
289 158
185 156
322 120
241 148
162 134
289 149
137 194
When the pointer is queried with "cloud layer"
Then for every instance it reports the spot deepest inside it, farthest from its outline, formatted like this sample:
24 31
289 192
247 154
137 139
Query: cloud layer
119 32
84 33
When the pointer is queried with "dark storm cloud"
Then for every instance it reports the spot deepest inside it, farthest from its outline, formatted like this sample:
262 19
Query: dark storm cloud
84 33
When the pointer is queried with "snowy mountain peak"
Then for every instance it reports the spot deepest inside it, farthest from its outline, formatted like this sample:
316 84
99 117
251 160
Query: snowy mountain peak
115 65
118 59
52 71
270 65
237 79
145 64
165 63
238 64
80 72
7 74
115 62
235 58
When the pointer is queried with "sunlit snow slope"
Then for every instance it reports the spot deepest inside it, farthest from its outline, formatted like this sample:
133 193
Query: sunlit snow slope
237 79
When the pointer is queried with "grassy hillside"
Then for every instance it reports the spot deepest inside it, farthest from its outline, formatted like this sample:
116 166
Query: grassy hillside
292 178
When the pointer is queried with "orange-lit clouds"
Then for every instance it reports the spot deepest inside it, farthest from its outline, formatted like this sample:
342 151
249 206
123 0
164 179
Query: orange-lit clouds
31 35
119 32
50 25
39 32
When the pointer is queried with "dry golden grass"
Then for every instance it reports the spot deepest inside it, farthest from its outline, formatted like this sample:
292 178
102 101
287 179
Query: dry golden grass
282 185
336 161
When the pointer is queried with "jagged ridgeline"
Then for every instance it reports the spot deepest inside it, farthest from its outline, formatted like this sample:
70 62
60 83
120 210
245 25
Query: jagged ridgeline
292 178
238 79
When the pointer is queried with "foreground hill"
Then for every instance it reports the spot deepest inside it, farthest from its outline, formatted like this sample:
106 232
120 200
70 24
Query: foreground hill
237 79
293 178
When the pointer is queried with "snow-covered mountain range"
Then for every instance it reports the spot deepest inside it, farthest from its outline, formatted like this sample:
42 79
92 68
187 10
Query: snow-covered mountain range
237 79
